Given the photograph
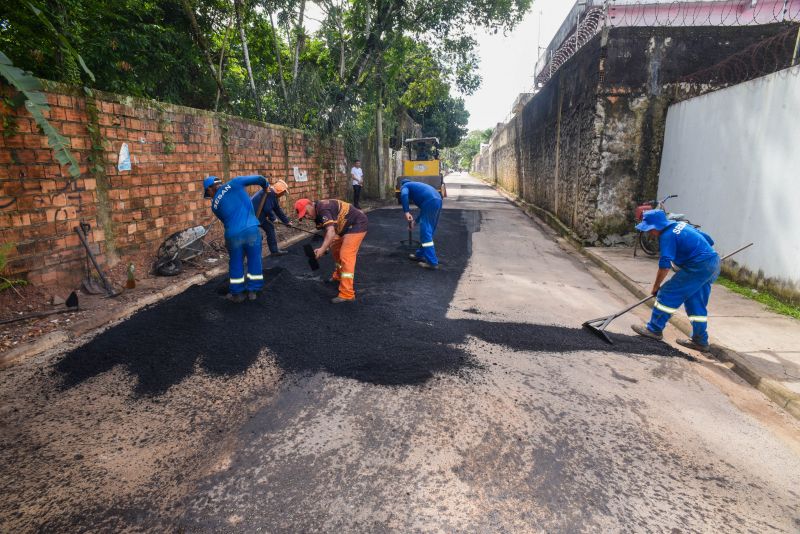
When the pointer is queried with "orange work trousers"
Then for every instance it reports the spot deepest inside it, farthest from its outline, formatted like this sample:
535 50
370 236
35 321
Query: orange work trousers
345 251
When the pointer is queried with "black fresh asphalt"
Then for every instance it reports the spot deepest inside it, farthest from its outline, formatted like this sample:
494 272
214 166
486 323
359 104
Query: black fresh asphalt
397 333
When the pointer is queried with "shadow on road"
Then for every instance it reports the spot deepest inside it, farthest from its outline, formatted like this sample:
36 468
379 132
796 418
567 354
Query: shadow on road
397 333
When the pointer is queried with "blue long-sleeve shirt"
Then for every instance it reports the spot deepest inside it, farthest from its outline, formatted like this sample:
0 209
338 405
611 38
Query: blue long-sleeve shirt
231 204
416 192
272 208
684 245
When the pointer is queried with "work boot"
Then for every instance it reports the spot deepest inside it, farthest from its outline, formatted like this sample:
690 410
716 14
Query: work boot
252 295
237 298
279 253
694 345
646 332
426 265
413 257
331 280
339 300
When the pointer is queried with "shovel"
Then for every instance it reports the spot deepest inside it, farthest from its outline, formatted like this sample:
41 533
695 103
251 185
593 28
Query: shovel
315 234
410 242
313 262
109 288
598 326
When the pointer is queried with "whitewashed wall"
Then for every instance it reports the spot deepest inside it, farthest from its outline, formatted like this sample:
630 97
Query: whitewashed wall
733 156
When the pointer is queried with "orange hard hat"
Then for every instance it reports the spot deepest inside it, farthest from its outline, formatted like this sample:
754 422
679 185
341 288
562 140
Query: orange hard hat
301 206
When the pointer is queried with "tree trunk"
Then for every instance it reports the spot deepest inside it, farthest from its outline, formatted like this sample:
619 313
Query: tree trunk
221 63
298 46
201 42
278 58
237 7
379 142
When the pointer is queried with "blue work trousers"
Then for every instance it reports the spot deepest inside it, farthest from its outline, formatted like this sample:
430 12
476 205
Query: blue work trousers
272 240
246 243
691 286
428 220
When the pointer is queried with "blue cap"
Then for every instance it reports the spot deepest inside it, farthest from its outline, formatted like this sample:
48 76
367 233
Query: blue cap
405 181
208 182
653 220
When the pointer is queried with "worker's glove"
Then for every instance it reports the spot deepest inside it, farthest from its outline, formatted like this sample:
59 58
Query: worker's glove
654 291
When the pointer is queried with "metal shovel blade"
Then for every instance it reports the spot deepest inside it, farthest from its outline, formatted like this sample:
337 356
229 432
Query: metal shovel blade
410 242
92 287
313 263
597 327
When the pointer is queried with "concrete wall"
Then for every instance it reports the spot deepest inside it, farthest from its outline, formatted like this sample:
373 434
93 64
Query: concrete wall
588 144
733 157
172 148
505 156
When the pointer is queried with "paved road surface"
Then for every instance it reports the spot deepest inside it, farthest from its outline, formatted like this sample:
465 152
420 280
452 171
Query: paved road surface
465 400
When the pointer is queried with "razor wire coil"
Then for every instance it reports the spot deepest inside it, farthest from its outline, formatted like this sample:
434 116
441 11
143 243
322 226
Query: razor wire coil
599 14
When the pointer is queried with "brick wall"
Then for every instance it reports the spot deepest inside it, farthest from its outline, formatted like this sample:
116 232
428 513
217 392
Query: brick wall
172 148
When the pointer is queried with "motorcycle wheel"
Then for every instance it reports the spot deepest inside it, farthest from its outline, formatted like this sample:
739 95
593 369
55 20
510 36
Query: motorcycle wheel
649 244
172 268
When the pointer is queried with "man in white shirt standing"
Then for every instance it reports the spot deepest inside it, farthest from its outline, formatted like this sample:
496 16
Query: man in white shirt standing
358 180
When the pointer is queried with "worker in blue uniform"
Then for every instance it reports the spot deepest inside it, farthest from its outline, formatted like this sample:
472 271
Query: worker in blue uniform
231 204
270 212
690 250
430 205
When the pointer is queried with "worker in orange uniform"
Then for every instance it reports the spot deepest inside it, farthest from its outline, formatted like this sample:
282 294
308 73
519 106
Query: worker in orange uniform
345 228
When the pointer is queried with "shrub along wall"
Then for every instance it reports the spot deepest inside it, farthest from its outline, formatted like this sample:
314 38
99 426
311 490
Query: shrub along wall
171 149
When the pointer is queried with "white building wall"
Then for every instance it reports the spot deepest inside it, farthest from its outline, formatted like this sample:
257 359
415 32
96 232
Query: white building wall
733 157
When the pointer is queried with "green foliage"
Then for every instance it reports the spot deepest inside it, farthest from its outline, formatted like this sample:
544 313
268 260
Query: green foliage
6 283
36 104
65 44
407 57
9 121
768 300
470 146
446 119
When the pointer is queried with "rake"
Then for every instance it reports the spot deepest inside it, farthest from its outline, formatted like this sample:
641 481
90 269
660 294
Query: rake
598 326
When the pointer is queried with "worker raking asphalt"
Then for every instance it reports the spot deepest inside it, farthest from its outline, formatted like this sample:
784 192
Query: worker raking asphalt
396 333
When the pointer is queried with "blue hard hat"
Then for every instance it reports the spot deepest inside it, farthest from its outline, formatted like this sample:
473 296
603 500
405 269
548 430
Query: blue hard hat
653 220
405 181
208 182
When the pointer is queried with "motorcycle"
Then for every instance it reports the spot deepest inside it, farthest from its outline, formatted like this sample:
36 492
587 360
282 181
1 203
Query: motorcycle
648 243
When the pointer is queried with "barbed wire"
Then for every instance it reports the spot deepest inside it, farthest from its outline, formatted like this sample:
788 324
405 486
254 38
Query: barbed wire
599 14
759 59
701 13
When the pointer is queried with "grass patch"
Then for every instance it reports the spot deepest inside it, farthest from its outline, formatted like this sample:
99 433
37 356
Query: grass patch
766 299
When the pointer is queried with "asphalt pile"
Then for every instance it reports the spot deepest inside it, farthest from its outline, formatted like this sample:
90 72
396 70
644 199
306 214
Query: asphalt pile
396 333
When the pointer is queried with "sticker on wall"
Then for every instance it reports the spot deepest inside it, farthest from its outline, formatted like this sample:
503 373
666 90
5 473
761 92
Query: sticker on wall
124 161
300 176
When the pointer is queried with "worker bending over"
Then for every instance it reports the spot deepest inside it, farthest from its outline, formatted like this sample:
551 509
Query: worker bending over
689 249
345 228
430 204
231 204
270 212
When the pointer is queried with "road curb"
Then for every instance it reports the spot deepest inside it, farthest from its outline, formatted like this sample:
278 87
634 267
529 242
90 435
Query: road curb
104 317
774 390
